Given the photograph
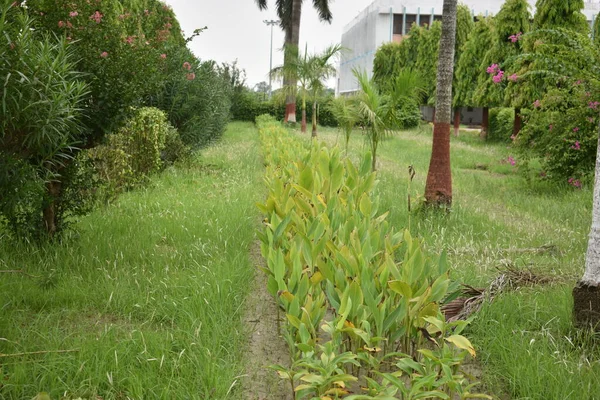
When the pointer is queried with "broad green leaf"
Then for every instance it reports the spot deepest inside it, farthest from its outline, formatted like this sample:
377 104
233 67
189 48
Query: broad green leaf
462 343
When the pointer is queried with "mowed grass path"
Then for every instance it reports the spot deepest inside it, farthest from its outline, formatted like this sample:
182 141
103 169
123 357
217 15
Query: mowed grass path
525 339
151 293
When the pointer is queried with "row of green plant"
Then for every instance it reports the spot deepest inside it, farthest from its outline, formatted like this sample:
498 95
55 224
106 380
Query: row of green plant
361 301
76 76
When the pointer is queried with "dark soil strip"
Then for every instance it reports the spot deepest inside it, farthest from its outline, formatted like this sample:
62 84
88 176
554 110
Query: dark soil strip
265 346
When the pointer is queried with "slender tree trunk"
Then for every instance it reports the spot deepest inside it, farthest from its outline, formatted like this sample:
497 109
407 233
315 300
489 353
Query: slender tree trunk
485 123
456 121
314 119
438 188
292 41
518 122
49 213
586 294
303 129
374 160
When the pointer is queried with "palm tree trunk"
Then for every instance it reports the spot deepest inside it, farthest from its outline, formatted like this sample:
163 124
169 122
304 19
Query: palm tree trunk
438 189
456 121
303 129
586 294
314 119
374 159
485 123
292 39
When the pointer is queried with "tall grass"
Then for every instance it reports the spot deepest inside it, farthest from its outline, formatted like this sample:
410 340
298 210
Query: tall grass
526 344
149 294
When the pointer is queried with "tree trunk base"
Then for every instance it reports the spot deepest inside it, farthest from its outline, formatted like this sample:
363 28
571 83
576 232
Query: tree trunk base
303 129
457 122
586 305
438 188
290 113
485 123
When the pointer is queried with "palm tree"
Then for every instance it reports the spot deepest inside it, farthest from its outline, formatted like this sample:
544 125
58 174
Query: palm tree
344 110
377 111
438 189
289 13
320 70
310 71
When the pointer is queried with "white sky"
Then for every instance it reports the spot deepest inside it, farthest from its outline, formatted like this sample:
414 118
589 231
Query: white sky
236 31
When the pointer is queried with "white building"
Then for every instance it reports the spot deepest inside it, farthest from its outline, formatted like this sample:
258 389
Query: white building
388 20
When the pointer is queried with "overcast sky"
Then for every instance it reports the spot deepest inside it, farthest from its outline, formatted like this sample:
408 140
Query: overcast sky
236 31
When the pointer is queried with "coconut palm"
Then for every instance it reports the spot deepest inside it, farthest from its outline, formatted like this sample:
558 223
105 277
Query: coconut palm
376 110
289 13
311 71
438 189
319 70
344 110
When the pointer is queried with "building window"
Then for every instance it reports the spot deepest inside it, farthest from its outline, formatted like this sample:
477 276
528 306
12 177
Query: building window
399 20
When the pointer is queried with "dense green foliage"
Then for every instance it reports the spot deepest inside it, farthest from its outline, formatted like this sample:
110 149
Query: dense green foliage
40 121
501 124
73 71
509 25
251 106
562 128
134 152
470 63
427 59
550 14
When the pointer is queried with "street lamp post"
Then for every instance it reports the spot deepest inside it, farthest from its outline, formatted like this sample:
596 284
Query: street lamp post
271 23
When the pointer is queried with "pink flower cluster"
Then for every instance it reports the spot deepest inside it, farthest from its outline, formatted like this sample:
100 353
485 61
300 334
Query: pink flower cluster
513 78
576 146
575 183
191 76
512 161
163 56
495 70
97 17
537 104
594 105
104 54
515 38
576 129
73 14
187 66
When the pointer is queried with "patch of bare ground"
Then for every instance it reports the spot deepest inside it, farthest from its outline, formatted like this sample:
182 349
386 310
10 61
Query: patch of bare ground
265 347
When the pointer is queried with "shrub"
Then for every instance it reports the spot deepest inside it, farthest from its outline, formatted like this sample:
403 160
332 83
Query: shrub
501 121
175 149
40 123
196 98
409 115
133 153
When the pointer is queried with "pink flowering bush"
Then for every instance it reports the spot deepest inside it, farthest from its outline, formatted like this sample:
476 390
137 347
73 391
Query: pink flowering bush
119 50
562 131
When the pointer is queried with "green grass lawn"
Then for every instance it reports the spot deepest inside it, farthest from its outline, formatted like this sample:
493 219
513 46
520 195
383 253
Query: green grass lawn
150 293
525 340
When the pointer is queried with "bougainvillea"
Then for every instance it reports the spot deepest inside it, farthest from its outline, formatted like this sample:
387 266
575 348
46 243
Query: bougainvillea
562 124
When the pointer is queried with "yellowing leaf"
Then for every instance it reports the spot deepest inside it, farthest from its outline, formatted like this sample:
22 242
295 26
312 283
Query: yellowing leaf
462 343
286 295
316 278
